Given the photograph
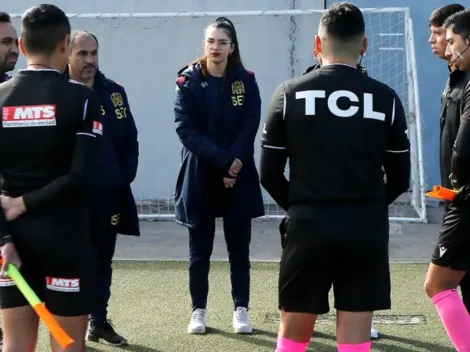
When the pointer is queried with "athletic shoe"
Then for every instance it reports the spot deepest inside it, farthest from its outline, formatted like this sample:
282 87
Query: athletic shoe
374 333
197 324
241 321
104 332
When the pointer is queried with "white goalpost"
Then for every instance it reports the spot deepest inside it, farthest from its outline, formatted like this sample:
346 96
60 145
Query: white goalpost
144 52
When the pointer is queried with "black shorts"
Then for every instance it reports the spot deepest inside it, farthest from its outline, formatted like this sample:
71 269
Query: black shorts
453 244
57 262
344 246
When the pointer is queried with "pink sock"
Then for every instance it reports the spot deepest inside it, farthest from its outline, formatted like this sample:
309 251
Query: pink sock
455 318
286 345
363 347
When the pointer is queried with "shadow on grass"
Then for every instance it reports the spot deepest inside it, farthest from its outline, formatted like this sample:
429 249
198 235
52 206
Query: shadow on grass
255 339
248 338
132 347
381 343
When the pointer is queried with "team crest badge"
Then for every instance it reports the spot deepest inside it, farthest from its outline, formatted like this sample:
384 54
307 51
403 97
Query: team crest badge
117 100
238 88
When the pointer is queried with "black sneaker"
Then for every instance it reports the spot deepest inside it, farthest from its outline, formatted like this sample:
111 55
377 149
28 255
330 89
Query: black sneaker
1 337
105 333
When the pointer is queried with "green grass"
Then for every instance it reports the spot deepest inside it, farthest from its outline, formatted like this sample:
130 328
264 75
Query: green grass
150 306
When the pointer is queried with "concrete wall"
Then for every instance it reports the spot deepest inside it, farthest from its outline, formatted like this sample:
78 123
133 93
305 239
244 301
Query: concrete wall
145 55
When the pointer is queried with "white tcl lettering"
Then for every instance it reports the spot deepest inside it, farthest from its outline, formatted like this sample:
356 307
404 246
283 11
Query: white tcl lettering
34 112
63 285
367 103
310 96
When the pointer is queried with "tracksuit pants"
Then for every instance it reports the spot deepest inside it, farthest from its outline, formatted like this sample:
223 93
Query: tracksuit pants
201 241
104 221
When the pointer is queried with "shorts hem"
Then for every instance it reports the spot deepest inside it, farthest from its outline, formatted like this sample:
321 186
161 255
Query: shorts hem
13 306
449 265
361 309
76 313
297 309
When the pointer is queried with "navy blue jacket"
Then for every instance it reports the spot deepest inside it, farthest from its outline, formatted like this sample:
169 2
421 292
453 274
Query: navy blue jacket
216 125
120 154
120 151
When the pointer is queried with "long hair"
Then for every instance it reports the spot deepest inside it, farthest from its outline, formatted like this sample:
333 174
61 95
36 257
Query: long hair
234 58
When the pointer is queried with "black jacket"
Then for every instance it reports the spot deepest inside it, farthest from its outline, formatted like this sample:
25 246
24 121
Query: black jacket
451 111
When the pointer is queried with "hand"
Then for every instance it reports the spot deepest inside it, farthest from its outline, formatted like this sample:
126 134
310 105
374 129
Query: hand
229 182
283 231
235 168
10 256
12 207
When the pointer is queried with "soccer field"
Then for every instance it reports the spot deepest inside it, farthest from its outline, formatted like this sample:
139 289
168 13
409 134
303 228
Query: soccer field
150 306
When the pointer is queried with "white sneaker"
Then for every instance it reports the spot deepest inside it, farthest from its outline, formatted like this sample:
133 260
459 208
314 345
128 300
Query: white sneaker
197 325
374 333
241 321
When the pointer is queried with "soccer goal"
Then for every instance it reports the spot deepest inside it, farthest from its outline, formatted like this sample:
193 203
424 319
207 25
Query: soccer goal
144 51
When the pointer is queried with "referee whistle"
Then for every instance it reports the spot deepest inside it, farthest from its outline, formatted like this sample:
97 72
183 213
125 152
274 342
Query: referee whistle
442 193
61 336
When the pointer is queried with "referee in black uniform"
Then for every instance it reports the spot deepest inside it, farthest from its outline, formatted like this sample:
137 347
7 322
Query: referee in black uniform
340 130
450 261
50 135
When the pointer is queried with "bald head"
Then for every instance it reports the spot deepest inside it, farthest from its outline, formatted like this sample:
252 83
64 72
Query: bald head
341 33
80 35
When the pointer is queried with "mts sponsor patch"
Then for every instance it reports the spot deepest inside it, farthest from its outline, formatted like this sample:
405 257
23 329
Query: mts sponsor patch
63 284
29 116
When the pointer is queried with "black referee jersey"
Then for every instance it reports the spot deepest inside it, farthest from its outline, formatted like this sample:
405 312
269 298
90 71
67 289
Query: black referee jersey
50 131
340 130
455 131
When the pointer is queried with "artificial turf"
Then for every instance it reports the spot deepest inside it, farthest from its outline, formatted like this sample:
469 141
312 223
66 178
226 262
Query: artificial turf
150 306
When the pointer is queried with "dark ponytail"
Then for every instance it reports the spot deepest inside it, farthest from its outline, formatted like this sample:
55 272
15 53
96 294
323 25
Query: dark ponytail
234 58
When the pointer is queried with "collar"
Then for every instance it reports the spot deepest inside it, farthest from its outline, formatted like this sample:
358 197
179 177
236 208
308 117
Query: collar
99 77
312 68
99 80
455 76
39 70
339 64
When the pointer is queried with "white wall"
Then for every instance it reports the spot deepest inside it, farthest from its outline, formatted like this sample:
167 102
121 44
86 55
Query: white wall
145 55
20 6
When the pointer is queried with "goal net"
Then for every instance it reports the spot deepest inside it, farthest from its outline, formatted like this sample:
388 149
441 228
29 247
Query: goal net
144 52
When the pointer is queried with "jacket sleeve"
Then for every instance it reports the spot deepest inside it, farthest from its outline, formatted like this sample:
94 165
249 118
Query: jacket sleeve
130 159
274 152
397 163
245 140
195 141
88 140
460 164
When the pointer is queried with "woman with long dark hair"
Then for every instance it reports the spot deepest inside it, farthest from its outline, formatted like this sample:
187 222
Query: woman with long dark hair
217 115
